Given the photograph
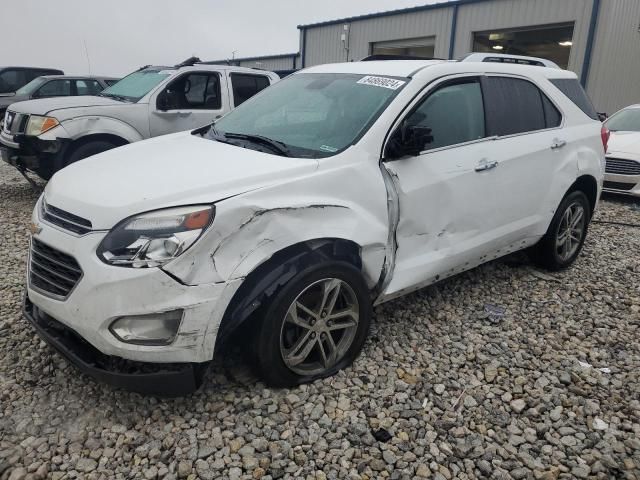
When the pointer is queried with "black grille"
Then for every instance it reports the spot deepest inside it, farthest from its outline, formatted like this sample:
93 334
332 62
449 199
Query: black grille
66 220
619 186
619 166
52 271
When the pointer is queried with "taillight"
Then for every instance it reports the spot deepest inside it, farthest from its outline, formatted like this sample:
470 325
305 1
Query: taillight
605 134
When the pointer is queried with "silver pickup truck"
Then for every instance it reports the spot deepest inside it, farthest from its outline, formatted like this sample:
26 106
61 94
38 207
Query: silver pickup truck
45 135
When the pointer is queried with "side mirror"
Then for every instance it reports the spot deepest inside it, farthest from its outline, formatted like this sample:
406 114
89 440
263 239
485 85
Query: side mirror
162 103
602 116
408 140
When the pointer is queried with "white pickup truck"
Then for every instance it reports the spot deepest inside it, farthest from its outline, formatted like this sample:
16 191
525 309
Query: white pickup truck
45 135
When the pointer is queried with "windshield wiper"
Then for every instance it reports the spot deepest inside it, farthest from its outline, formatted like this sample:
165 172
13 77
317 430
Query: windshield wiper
279 147
115 97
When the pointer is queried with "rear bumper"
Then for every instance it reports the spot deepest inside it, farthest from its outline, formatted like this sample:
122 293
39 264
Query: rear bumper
150 378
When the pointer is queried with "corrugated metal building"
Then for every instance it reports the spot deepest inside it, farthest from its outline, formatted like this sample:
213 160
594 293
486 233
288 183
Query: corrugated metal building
285 61
597 39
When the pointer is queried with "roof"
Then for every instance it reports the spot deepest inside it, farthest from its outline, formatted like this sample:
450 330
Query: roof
249 59
79 77
393 68
415 68
420 8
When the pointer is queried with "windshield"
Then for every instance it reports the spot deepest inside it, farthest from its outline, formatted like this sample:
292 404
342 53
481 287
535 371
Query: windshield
625 121
136 85
312 115
31 87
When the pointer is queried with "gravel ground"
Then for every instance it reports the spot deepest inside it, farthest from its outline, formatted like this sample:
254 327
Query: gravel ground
503 372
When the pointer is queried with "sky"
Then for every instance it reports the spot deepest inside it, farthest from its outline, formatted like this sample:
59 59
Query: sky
122 35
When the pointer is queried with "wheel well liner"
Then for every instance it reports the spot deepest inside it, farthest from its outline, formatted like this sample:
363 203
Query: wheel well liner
267 279
589 186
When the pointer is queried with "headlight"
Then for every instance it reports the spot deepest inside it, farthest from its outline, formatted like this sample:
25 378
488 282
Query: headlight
37 125
155 238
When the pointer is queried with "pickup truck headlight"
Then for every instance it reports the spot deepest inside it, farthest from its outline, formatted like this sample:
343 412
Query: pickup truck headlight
155 238
38 124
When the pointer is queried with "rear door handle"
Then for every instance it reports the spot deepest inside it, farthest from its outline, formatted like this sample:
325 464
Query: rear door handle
484 165
558 144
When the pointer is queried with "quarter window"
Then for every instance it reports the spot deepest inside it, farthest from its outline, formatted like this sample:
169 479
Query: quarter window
454 113
517 106
246 86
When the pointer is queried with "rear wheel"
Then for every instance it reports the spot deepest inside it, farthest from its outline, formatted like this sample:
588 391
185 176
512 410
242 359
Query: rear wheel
564 239
315 326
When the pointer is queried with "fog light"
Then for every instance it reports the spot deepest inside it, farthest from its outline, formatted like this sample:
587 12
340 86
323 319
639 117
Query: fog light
152 329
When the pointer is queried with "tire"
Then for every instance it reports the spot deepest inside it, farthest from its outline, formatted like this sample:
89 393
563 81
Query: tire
88 149
550 252
277 336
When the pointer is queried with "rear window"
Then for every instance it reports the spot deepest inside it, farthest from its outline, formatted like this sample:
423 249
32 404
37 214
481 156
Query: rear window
572 89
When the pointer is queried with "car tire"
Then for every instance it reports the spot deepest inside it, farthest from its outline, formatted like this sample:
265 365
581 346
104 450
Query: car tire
331 334
88 149
564 239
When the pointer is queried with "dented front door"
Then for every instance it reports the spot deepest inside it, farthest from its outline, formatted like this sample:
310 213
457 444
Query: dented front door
447 216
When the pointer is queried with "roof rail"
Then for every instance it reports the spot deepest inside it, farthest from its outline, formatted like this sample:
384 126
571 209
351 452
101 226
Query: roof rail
382 56
506 58
189 62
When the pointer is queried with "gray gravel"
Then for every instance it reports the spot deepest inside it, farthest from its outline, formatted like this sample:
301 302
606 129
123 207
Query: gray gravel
503 372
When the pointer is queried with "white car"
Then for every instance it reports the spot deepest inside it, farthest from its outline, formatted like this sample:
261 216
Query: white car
623 156
340 187
45 135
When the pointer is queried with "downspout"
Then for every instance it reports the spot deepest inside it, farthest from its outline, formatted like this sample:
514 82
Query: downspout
593 26
454 27
303 48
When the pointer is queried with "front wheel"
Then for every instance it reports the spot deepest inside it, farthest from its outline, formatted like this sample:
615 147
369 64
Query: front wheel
315 326
564 239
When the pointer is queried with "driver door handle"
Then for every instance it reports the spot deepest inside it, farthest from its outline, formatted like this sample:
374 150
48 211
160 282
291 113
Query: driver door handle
558 144
484 165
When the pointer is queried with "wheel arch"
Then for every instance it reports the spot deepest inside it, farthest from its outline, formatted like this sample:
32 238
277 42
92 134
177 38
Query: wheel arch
267 278
588 185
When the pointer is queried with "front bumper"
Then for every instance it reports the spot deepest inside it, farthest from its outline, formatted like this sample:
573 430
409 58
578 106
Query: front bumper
159 379
622 184
33 153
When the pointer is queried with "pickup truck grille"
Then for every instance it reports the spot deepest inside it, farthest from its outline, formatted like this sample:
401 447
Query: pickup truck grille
15 123
619 166
51 271
65 220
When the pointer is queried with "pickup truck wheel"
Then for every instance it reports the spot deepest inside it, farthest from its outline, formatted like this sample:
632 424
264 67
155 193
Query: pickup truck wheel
564 239
88 149
315 326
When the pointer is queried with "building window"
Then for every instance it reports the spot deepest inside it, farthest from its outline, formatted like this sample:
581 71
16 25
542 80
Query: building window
413 47
551 42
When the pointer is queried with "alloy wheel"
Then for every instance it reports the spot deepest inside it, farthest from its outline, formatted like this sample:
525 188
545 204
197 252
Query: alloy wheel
571 231
319 327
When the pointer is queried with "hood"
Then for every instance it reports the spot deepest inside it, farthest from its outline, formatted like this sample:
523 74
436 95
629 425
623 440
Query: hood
9 99
626 144
167 171
44 106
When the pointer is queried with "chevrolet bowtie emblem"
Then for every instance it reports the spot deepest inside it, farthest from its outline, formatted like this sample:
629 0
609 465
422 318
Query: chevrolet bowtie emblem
34 228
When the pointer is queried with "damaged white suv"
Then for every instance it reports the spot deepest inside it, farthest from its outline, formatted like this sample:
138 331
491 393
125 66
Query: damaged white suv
341 187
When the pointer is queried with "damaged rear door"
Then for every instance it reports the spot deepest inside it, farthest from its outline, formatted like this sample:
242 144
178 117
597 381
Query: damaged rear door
446 194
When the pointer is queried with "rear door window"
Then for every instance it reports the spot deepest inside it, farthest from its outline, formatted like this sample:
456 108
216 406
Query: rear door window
87 87
246 86
572 89
515 106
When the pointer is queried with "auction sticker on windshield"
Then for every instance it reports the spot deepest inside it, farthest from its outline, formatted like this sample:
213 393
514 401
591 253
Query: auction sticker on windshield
390 83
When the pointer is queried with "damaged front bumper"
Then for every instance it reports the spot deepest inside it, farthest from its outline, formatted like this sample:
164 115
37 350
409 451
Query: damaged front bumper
159 379
33 153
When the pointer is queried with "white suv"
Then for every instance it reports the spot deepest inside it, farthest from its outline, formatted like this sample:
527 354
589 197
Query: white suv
341 187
